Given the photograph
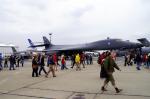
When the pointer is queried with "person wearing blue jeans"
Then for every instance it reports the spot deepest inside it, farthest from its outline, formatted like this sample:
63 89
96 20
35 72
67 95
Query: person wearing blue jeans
1 67
148 62
12 59
138 61
1 59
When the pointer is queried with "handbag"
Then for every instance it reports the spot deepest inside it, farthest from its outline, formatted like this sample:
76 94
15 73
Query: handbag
103 73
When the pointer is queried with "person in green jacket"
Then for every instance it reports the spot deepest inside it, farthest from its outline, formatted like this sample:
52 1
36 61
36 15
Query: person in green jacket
109 65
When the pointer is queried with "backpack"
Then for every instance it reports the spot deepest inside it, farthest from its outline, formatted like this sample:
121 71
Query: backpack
103 72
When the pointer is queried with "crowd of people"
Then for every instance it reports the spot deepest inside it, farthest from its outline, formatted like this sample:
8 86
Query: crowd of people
138 59
106 60
11 62
79 61
108 65
38 63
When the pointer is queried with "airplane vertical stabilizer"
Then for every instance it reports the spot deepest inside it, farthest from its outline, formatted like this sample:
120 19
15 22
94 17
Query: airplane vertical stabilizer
14 50
31 43
144 41
46 42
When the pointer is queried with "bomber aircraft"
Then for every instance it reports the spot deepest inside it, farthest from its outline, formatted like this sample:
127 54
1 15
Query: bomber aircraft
107 44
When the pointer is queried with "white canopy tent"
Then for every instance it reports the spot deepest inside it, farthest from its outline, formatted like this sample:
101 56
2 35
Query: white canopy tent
6 49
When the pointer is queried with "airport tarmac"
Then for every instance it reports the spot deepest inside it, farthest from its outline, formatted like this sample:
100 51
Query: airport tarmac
72 84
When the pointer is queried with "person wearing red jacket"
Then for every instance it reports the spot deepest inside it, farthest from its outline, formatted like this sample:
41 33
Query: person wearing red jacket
55 59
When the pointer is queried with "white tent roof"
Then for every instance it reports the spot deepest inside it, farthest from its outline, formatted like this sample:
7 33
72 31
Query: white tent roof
7 45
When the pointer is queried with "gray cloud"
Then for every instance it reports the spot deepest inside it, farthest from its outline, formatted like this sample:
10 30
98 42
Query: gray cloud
73 21
78 12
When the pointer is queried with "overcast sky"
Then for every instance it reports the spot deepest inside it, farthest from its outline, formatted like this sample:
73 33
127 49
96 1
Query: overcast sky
73 21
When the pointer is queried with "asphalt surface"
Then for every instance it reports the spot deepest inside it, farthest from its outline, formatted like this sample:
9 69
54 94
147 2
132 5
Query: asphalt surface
72 84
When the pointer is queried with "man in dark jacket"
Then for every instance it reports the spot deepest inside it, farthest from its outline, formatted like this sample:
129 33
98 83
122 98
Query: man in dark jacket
1 59
138 61
35 66
109 65
42 64
12 62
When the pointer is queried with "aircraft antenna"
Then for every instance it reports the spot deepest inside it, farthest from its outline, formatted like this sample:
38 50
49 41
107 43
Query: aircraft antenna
108 38
50 35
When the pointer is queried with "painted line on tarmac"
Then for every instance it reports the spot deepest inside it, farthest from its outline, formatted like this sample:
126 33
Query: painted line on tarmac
70 95
26 96
63 90
3 81
17 72
1 93
121 94
98 93
26 86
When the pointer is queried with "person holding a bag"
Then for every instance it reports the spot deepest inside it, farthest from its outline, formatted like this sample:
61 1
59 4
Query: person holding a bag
34 66
42 64
109 65
103 73
50 64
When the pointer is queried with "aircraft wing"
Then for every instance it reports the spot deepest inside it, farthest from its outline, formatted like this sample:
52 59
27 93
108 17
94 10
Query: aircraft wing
67 47
98 45
144 41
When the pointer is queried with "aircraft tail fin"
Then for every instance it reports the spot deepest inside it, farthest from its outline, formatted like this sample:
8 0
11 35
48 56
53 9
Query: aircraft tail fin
31 43
144 41
46 41
14 50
